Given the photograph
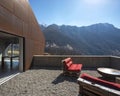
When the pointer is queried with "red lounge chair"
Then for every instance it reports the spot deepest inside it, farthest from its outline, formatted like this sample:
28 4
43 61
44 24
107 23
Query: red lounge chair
69 68
92 86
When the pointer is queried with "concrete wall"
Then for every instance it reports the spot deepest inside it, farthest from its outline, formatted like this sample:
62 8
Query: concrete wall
17 18
115 62
55 60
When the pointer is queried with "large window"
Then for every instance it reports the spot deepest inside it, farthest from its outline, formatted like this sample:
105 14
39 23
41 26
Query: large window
11 52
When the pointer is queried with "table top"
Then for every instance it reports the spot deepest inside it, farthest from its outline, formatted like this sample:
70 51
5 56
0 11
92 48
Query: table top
109 71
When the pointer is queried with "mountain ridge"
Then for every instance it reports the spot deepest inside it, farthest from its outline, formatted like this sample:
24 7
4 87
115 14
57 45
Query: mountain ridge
96 39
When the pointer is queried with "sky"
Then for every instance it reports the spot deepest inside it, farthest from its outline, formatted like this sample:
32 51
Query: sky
76 12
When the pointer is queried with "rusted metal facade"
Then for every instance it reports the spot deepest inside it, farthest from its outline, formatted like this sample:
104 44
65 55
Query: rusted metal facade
17 18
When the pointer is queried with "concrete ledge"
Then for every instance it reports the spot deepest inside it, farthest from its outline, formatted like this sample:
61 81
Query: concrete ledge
115 62
88 61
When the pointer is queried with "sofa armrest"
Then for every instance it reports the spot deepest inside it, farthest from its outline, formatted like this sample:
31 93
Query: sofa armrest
117 79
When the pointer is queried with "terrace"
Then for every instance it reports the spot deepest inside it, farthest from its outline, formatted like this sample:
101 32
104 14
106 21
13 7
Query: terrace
45 77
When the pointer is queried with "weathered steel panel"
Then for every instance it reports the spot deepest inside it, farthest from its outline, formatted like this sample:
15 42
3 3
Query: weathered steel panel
17 18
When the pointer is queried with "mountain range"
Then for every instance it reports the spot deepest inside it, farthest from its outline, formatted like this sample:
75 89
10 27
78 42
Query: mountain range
96 39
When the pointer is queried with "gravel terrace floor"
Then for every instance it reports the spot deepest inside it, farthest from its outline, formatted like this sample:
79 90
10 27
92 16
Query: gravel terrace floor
42 82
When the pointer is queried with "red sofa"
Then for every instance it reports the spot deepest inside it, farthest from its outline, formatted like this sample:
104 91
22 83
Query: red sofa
92 85
69 67
100 81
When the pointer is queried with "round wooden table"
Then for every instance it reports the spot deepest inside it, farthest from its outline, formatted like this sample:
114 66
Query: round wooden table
109 72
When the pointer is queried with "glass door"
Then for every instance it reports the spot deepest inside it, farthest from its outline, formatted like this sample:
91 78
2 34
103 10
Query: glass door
11 53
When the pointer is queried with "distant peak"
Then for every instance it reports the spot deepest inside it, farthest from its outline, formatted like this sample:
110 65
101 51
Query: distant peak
103 25
54 25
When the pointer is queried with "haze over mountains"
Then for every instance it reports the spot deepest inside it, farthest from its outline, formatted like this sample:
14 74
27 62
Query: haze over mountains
96 39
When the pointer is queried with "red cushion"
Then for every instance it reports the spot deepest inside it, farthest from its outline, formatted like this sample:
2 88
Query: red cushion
75 67
68 62
101 82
